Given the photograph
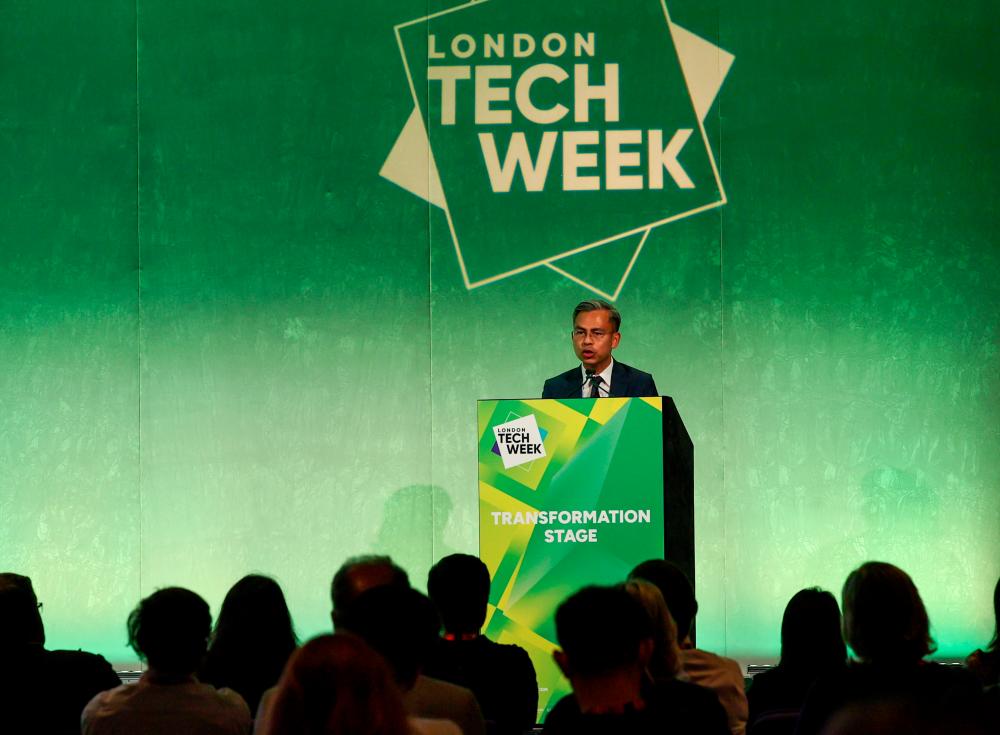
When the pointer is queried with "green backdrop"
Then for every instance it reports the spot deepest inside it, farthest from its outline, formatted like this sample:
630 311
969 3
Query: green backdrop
227 344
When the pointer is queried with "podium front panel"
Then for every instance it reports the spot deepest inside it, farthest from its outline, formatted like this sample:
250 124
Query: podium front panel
571 493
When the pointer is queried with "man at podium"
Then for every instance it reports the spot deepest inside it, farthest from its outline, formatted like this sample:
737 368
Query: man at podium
595 334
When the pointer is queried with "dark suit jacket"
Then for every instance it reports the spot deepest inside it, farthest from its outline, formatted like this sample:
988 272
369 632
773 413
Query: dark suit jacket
626 382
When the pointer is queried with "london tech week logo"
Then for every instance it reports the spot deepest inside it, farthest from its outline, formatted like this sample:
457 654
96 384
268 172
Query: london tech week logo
519 441
557 135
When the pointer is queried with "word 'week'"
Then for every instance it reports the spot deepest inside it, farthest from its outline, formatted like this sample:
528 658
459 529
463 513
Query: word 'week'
591 159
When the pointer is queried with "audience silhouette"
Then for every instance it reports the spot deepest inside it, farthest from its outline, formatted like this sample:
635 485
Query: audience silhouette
361 573
985 664
40 690
337 684
626 650
665 658
252 640
169 630
886 625
402 625
501 676
608 671
721 675
695 707
811 645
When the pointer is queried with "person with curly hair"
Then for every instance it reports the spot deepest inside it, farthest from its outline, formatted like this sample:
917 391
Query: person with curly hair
169 630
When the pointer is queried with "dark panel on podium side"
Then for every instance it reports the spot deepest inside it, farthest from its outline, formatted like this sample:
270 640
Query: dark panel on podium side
678 490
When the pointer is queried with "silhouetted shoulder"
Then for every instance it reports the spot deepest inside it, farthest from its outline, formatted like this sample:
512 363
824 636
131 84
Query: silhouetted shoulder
436 699
567 719
89 666
424 726
48 690
985 666
691 708
927 687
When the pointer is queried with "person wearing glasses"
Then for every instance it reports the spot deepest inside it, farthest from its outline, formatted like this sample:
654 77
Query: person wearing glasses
41 690
595 334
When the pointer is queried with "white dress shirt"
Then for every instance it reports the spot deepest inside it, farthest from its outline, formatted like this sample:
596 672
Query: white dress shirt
605 388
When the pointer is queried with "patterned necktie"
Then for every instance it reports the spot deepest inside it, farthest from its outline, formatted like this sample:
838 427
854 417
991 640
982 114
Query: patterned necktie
595 386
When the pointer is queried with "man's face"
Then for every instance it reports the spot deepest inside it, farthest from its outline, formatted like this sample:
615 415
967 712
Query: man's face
594 337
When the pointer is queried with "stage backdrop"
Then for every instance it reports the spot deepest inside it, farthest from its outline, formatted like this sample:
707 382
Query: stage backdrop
260 261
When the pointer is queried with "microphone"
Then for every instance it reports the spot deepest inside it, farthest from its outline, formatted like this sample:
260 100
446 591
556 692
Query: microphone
578 390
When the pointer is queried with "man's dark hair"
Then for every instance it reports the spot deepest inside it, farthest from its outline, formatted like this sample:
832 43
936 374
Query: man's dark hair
600 629
20 622
884 618
344 588
676 590
599 305
398 622
169 630
459 585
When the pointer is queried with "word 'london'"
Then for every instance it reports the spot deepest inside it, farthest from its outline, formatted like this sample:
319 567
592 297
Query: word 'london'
570 535
623 166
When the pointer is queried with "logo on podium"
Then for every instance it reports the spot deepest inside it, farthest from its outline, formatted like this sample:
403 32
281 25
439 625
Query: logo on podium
519 441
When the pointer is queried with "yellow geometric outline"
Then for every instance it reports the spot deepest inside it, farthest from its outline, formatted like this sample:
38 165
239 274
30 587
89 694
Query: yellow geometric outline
589 246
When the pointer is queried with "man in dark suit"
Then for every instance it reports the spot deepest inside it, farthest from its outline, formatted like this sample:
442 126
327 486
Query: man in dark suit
595 335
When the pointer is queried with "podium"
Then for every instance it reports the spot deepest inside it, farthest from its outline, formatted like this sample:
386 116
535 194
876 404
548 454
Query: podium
575 492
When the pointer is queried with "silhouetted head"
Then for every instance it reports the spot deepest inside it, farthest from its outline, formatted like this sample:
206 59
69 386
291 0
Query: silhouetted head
398 622
169 630
459 585
361 573
254 615
602 630
252 639
884 617
811 638
337 684
20 620
676 590
665 660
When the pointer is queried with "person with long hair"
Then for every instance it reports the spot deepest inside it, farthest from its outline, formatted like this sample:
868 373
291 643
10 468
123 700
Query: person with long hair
665 659
252 639
720 674
338 685
692 708
811 645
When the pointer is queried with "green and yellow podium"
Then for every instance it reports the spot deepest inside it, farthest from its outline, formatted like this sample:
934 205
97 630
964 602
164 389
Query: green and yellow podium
575 492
